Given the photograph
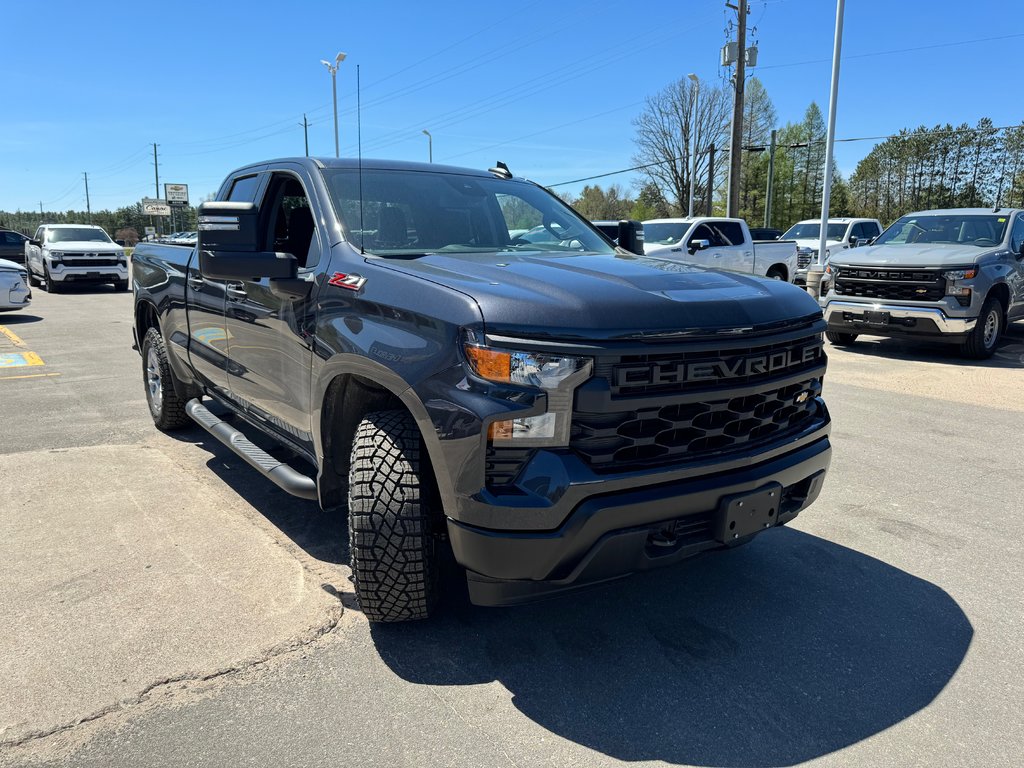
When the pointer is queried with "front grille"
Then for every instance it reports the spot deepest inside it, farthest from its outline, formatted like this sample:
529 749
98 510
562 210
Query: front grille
890 284
803 260
709 369
111 262
677 431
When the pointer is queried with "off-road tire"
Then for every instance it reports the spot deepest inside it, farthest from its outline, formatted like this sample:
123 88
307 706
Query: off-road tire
841 339
33 281
393 544
983 340
167 410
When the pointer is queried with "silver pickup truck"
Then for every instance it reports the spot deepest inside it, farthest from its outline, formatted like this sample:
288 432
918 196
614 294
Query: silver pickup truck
954 276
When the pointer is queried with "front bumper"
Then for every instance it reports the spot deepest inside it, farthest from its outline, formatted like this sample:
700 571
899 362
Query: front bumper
15 294
613 534
107 274
928 321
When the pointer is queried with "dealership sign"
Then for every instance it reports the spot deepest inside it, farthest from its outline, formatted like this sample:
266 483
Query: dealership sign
176 194
151 206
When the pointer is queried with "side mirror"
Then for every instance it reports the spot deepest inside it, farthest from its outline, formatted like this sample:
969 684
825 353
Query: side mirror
869 241
35 242
631 236
228 227
854 241
698 245
120 242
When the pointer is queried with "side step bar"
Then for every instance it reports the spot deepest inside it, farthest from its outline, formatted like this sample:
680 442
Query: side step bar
283 476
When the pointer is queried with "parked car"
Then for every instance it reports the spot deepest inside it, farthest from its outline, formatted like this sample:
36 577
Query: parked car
556 414
955 276
719 243
765 233
60 254
840 235
12 246
15 292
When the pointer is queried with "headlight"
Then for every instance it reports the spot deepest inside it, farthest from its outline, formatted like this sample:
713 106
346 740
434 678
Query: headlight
961 274
961 292
56 256
557 375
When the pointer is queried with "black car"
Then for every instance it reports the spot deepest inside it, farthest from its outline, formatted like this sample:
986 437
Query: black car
12 246
765 233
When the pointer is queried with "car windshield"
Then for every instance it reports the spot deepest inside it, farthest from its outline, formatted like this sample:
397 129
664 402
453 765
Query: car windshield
664 233
407 213
812 231
77 234
961 229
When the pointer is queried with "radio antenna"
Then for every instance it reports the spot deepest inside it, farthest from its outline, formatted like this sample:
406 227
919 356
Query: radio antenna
359 141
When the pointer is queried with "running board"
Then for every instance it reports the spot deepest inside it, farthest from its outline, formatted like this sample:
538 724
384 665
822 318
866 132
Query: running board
283 476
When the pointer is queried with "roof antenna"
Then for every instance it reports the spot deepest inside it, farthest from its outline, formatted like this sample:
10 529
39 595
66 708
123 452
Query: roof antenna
359 139
501 171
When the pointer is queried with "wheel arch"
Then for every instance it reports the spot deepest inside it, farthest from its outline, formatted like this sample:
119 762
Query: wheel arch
1001 292
781 269
350 388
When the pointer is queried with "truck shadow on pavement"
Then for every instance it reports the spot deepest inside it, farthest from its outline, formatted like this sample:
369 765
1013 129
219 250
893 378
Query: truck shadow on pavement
778 652
1009 353
18 318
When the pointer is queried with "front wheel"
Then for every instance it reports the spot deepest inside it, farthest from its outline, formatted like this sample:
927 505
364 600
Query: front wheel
393 542
120 286
166 408
982 341
841 339
51 285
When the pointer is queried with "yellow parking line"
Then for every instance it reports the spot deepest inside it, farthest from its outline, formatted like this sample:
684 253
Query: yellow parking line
15 340
30 376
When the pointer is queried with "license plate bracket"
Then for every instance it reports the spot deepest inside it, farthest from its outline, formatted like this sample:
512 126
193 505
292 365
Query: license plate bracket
876 318
745 513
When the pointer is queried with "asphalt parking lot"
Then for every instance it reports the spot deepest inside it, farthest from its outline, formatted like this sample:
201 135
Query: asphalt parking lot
164 605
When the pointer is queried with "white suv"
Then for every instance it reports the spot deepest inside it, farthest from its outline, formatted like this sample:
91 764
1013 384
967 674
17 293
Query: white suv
75 253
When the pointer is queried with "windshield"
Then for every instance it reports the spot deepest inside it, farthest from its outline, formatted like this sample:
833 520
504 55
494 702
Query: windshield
813 231
417 212
961 229
664 233
77 234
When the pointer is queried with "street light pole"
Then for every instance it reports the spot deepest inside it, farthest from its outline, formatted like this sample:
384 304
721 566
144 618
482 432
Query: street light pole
814 274
693 138
333 69
430 144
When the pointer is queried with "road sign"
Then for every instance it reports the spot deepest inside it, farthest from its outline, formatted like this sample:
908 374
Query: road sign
151 206
176 194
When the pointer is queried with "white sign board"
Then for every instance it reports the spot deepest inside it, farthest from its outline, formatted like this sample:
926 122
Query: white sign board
154 207
150 231
176 194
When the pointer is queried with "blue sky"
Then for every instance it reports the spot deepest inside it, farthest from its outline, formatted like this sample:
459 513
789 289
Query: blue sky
548 86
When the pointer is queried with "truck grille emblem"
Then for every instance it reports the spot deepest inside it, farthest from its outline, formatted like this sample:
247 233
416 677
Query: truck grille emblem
715 369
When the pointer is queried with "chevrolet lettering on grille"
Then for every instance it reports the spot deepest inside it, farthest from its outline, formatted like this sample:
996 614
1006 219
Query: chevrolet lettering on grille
712 370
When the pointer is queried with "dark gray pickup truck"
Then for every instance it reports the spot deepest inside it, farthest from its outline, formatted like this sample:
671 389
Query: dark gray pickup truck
555 414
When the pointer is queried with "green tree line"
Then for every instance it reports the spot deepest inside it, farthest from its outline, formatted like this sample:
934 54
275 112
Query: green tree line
122 220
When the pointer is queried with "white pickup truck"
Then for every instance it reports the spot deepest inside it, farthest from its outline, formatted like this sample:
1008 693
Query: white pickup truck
840 235
719 243
60 254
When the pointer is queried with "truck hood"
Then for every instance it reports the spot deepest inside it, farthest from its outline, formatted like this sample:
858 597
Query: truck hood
84 246
923 255
813 244
598 296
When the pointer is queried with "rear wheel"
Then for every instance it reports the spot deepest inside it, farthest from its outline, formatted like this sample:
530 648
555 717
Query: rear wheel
840 339
166 408
393 543
776 273
982 341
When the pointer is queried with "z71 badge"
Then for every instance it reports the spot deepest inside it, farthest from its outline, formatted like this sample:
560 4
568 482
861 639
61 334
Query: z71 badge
352 282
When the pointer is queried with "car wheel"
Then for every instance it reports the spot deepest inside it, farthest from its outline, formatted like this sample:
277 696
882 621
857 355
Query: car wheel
776 273
120 285
840 339
166 408
393 544
982 341
51 285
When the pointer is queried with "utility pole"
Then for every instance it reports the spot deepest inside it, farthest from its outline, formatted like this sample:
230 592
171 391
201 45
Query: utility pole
771 183
711 179
40 207
736 142
156 172
305 131
88 207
